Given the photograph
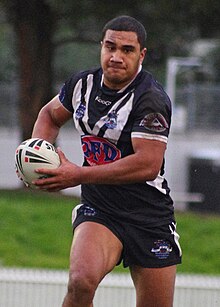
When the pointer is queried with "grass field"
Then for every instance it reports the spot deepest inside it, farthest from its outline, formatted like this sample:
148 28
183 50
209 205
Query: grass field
35 231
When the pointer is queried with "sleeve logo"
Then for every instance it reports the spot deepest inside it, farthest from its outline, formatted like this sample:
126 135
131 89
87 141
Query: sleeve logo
154 122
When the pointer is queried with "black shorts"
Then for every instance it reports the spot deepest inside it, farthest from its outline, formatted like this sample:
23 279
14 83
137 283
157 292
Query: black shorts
148 247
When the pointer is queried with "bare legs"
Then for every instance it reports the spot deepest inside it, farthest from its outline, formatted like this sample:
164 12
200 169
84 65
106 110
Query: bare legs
95 252
154 287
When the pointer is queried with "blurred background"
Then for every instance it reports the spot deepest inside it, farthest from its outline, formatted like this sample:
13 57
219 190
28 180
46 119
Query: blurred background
42 42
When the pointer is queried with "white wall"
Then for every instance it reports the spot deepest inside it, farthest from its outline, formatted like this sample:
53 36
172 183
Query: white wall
47 288
180 148
68 140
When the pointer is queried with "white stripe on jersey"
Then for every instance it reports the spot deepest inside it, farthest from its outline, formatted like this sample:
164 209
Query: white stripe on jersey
76 101
149 136
123 113
76 97
87 95
122 119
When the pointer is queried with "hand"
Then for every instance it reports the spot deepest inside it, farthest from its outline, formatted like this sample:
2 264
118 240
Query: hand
65 176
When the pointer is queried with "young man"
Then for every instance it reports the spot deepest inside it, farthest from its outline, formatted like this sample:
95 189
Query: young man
126 213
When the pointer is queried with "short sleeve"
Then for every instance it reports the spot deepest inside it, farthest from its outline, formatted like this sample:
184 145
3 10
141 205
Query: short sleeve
152 116
65 99
66 92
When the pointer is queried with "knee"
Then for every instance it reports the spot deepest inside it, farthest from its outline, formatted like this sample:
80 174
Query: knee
81 286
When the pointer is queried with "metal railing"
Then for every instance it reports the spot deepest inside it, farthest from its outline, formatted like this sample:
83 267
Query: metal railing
197 106
46 288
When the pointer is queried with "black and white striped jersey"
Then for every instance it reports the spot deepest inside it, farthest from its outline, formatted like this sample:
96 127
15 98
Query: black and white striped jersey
107 120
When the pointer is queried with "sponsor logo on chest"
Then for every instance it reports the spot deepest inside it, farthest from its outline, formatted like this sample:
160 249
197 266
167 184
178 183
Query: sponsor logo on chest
98 150
102 101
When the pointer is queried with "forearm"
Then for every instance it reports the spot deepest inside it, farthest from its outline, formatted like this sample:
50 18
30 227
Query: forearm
130 169
143 165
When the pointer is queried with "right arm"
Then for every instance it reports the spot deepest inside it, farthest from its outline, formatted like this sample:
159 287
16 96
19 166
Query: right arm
50 118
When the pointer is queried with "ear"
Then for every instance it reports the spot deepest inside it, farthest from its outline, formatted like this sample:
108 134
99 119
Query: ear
142 55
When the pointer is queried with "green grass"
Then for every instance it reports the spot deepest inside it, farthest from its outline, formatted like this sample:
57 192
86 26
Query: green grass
35 231
200 242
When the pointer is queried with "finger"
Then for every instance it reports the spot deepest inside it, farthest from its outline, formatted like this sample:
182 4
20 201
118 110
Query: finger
45 180
46 171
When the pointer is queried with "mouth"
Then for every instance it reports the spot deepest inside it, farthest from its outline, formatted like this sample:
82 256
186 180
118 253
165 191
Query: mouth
116 67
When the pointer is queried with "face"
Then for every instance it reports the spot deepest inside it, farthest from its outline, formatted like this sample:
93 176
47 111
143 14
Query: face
121 57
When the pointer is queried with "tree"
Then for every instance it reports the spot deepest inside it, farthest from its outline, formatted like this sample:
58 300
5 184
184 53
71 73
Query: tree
43 25
33 24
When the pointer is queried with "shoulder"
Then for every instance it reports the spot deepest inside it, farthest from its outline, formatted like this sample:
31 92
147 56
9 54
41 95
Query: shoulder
83 75
148 89
77 82
148 84
152 107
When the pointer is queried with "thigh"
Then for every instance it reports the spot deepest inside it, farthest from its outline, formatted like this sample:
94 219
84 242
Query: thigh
95 250
154 286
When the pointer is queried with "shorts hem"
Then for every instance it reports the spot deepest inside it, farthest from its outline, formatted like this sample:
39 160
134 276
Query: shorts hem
154 266
98 221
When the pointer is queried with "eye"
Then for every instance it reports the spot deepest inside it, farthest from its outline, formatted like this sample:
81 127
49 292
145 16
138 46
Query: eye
110 47
128 50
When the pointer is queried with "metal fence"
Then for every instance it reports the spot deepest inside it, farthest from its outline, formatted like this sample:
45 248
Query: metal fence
200 103
45 288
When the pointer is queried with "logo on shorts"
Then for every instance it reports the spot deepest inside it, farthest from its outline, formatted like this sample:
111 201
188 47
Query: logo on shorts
88 211
161 249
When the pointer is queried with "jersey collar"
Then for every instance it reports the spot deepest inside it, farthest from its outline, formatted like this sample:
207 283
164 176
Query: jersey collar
124 88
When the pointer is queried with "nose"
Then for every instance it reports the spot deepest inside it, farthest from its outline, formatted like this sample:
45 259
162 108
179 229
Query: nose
117 57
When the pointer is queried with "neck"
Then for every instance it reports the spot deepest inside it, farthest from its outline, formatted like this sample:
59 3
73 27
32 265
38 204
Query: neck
116 87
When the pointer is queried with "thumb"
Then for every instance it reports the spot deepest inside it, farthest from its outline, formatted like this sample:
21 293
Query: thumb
61 155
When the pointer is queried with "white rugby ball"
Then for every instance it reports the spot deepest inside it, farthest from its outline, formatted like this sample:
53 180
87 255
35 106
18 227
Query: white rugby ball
32 154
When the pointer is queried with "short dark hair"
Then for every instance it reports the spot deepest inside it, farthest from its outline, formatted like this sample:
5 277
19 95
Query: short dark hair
129 24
